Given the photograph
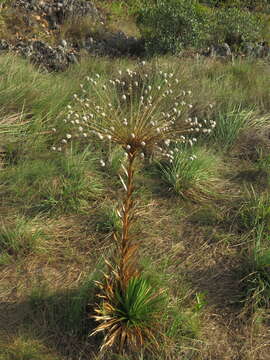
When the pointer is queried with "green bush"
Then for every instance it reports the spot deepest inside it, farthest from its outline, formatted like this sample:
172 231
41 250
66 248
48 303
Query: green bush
235 27
173 24
261 5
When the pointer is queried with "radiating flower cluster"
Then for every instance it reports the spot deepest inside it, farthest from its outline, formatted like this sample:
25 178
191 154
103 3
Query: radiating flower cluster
139 111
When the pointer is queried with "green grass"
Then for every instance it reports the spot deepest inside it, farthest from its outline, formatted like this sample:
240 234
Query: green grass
20 238
108 220
256 274
23 348
58 183
193 173
229 125
254 211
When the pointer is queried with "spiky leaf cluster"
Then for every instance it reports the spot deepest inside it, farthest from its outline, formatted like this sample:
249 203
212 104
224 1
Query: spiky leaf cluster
129 318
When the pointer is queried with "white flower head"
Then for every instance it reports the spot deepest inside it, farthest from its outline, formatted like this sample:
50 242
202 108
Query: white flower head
167 142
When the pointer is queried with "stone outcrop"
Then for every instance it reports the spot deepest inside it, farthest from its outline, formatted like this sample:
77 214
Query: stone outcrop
55 13
48 58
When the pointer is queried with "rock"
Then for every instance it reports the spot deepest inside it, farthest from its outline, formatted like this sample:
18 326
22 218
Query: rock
222 50
114 44
258 51
56 11
63 43
247 48
4 45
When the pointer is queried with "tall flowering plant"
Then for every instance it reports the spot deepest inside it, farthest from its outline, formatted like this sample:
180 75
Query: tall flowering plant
144 113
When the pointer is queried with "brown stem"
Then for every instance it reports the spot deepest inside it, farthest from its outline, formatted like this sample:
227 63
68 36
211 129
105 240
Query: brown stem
125 240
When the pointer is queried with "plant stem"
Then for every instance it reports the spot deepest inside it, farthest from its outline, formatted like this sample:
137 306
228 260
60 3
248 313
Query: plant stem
126 269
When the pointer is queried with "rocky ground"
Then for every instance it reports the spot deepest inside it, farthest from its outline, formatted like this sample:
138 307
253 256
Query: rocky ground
51 17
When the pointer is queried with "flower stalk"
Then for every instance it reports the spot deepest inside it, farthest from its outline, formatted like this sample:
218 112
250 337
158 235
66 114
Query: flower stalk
127 250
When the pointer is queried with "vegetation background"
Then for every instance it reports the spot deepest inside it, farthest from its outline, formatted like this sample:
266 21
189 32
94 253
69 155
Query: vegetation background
204 224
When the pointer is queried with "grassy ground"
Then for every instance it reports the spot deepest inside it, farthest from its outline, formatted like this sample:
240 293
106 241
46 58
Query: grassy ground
204 228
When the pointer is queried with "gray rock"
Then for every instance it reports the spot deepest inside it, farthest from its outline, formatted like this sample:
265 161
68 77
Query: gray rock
4 45
63 43
222 50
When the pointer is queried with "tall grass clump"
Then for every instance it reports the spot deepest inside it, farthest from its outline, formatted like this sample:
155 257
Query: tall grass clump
254 211
143 113
193 174
19 239
256 271
229 126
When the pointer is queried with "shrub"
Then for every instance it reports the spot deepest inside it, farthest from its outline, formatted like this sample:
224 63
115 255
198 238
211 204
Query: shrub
235 27
173 24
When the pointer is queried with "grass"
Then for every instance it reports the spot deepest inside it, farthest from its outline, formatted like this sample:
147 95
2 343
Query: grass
254 211
49 185
19 239
65 311
24 348
201 242
256 279
108 222
192 174
229 126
